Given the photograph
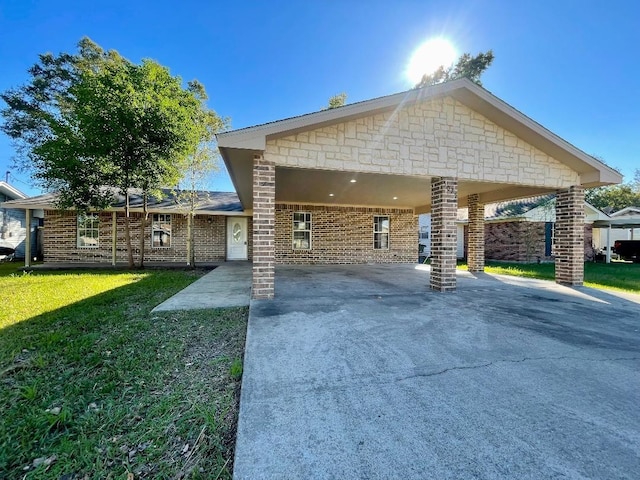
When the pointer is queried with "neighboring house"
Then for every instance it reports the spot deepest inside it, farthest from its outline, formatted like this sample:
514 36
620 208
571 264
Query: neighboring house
13 226
626 223
524 230
346 186
221 229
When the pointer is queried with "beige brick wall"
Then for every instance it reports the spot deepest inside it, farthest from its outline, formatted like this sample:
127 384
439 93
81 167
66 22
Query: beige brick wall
344 235
60 239
440 137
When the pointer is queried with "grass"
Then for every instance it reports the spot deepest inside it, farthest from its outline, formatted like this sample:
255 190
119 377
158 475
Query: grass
616 275
92 385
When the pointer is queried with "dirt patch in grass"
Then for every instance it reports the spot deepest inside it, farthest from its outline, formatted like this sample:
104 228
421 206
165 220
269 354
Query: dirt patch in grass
102 388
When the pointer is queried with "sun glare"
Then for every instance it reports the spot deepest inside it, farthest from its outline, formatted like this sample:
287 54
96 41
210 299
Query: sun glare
429 56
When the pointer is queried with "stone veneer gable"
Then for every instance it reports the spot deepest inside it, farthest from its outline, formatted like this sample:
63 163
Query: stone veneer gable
439 137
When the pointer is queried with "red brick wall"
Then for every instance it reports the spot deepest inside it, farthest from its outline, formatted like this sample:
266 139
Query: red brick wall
60 239
524 241
344 235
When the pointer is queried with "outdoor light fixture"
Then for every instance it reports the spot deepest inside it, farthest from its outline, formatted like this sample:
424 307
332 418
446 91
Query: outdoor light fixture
331 194
353 180
395 198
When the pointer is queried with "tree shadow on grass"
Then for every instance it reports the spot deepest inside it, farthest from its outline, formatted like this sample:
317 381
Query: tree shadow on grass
102 386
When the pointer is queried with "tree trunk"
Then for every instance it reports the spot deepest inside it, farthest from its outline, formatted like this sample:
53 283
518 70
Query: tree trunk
189 241
127 230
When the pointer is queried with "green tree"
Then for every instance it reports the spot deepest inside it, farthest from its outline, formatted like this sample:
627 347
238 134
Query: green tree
466 67
95 119
200 163
337 101
616 197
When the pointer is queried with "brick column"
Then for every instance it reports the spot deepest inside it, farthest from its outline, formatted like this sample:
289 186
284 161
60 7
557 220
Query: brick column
444 205
569 236
475 243
264 219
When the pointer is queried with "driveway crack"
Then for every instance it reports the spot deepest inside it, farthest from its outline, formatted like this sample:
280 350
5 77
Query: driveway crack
517 360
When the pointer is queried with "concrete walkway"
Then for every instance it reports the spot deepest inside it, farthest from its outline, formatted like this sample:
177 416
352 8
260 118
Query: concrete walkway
361 372
228 285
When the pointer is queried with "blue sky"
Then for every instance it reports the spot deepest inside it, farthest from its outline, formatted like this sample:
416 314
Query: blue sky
570 65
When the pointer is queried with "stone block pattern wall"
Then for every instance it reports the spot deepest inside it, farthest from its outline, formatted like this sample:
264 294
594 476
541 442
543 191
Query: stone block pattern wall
264 195
475 235
444 209
60 239
440 137
569 236
344 235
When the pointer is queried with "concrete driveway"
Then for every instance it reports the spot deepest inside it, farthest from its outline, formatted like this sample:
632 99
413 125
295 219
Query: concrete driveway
361 372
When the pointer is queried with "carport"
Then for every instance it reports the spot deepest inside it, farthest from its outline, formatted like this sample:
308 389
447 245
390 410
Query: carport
615 223
350 181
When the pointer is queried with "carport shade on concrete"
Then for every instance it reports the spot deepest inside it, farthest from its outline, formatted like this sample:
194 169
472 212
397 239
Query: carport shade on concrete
359 372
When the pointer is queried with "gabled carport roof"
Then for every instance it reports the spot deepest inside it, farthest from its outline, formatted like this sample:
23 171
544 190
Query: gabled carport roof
238 146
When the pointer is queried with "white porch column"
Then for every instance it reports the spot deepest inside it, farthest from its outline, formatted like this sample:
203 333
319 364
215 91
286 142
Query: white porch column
609 244
27 240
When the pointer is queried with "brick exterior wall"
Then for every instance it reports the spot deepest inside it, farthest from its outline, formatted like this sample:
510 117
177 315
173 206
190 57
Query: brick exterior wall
444 209
436 138
515 241
60 239
264 196
344 235
525 242
475 235
569 236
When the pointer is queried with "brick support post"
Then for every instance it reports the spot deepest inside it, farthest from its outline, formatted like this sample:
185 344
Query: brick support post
475 241
444 206
569 236
264 219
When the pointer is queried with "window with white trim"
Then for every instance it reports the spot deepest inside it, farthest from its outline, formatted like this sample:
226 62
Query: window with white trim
161 230
88 231
381 232
302 231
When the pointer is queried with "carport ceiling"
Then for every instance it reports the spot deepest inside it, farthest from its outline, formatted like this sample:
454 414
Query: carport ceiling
330 187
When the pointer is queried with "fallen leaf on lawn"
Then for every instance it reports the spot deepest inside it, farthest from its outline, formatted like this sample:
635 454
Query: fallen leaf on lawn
129 476
185 449
53 411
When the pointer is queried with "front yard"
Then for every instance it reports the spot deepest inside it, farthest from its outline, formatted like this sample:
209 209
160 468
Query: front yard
92 385
616 275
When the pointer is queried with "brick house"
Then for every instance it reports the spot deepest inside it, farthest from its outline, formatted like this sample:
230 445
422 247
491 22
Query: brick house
524 230
346 185
221 230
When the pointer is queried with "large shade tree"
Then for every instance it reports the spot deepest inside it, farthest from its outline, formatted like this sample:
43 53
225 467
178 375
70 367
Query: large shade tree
94 119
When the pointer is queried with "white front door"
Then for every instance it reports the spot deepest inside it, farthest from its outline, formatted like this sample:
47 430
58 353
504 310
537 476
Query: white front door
237 238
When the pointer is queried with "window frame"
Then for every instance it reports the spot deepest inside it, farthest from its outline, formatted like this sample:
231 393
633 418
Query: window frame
307 221
81 227
380 233
155 219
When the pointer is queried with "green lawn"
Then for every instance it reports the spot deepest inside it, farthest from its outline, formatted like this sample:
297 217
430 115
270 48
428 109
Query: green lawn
617 275
92 385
